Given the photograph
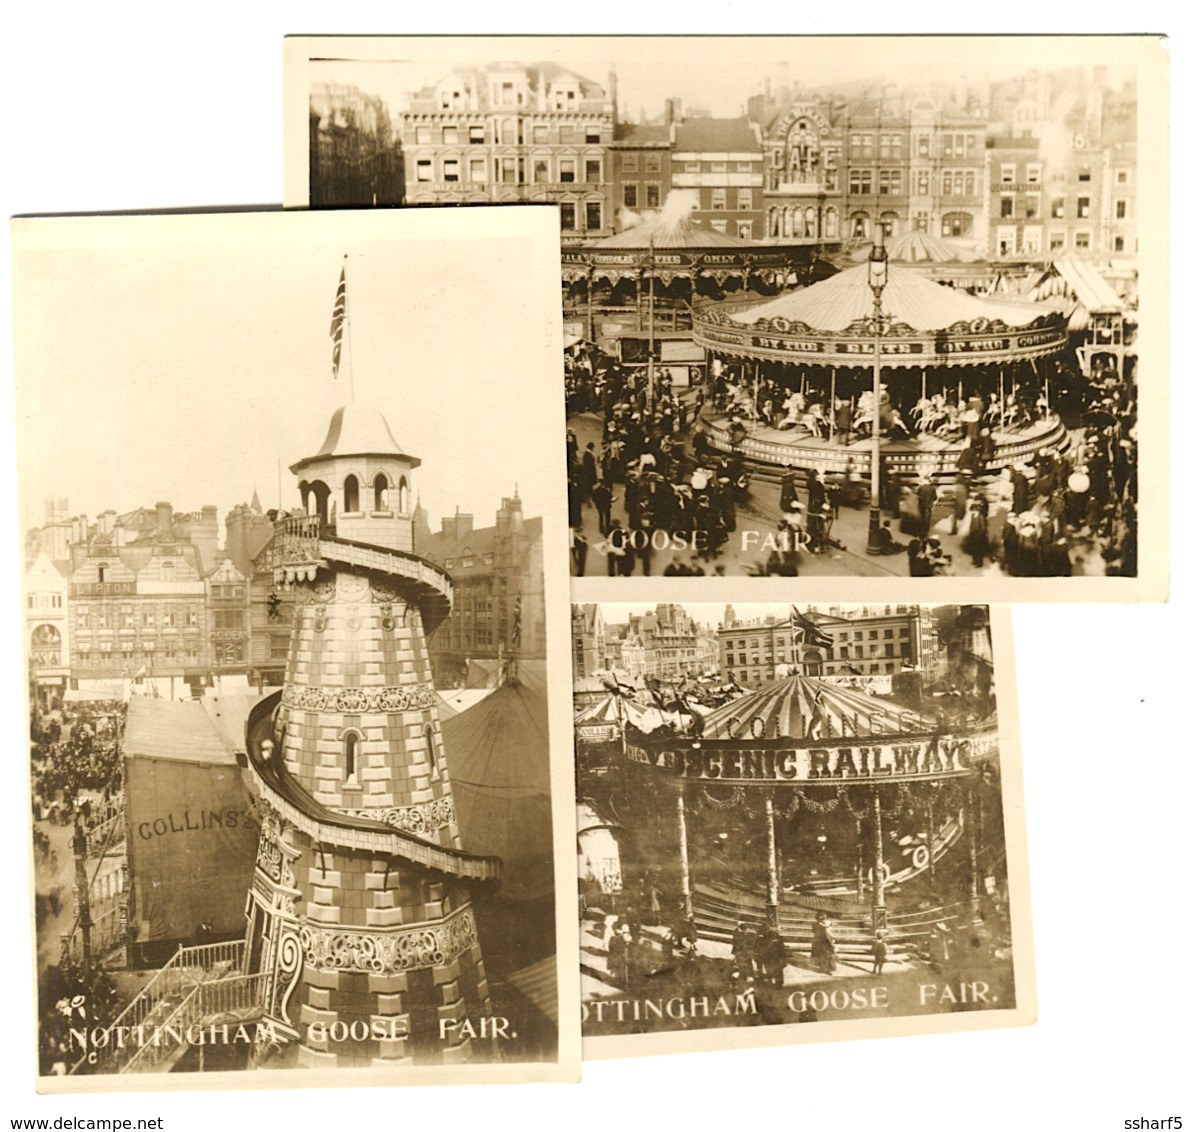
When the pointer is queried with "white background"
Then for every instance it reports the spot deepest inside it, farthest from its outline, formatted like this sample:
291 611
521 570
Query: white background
120 107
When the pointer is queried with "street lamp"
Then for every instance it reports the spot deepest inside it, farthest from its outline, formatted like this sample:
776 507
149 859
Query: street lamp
877 280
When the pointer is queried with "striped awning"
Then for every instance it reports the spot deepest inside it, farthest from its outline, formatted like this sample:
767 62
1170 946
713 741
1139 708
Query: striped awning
800 707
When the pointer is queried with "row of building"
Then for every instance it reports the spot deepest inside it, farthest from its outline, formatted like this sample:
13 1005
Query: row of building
752 652
151 600
1021 169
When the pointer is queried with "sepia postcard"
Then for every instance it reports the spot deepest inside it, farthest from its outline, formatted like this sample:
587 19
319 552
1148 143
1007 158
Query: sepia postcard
296 598
797 824
847 310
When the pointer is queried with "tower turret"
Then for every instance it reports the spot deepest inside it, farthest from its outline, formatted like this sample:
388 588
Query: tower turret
361 917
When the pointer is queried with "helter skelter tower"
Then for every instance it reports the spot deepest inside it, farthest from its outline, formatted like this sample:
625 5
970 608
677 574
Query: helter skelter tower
360 915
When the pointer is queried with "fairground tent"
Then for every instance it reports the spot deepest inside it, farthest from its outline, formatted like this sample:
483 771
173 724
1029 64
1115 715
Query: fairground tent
803 708
192 832
498 761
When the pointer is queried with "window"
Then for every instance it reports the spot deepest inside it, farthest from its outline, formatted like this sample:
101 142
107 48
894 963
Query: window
921 145
422 170
1120 210
84 620
718 199
432 754
1084 174
477 170
1081 240
1031 239
507 170
719 166
745 229
567 135
539 134
1118 244
126 617
380 492
539 171
1033 173
1058 208
653 194
1006 206
451 168
476 135
567 216
351 494
1056 241
351 741
1083 208
422 135
592 170
592 215
1122 177
1007 174
567 169
509 132
629 163
745 199
721 226
451 135
279 648
921 182
629 196
861 181
1033 205
592 135
147 619
192 617
890 181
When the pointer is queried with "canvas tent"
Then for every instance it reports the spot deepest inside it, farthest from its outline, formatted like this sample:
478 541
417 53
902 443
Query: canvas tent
192 830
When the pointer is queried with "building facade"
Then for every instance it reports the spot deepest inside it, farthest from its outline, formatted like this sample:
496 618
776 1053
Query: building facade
640 163
355 158
47 631
497 572
721 160
228 620
1016 179
803 192
515 132
870 642
138 605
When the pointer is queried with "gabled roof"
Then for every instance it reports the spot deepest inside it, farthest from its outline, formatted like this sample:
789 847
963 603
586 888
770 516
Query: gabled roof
716 135
180 731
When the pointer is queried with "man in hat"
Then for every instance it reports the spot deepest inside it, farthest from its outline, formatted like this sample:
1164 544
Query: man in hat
926 496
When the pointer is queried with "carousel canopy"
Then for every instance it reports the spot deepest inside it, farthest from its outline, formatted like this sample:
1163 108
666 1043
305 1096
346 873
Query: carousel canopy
497 759
930 324
665 233
669 245
607 712
919 247
800 707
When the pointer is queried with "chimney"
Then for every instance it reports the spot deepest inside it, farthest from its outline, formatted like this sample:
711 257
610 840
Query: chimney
165 518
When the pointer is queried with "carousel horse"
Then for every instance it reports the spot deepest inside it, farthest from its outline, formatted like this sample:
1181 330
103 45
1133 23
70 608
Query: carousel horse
794 408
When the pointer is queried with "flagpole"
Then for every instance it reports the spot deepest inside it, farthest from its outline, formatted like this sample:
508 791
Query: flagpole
348 329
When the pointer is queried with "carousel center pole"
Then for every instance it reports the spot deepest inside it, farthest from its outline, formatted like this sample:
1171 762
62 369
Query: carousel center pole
772 866
685 872
877 279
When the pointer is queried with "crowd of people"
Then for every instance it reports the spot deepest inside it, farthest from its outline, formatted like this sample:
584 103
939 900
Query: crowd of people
673 499
76 764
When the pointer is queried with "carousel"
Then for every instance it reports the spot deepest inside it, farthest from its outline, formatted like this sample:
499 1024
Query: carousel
656 268
881 815
796 377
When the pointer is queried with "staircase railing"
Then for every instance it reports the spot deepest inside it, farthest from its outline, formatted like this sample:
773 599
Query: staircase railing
236 998
187 967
